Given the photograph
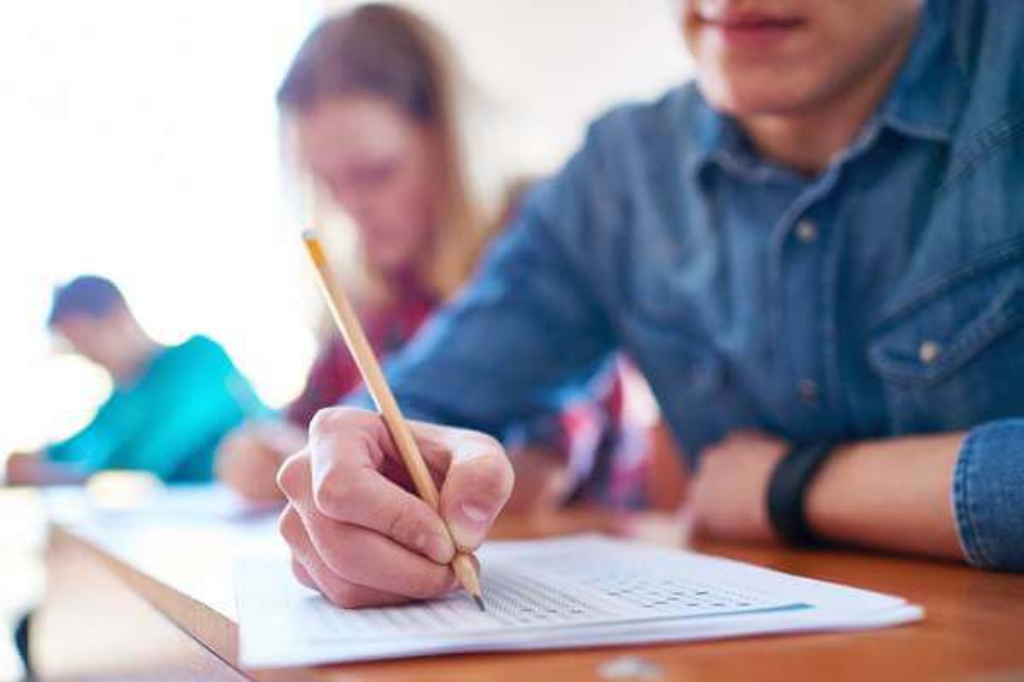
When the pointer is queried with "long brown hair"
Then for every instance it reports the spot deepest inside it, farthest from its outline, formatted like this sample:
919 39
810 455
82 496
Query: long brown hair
391 53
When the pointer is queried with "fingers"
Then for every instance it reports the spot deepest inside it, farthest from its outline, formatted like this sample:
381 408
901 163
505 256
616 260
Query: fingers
311 571
476 476
356 555
347 451
478 484
360 537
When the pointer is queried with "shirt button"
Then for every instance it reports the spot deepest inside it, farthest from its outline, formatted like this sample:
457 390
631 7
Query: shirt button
807 231
808 391
928 351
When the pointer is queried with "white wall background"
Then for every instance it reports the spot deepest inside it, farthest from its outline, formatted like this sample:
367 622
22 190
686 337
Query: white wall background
553 65
138 141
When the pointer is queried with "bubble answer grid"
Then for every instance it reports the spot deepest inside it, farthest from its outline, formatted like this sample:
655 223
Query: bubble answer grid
526 598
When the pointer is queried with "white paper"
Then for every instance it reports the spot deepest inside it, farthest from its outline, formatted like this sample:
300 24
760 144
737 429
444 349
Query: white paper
186 537
556 593
202 504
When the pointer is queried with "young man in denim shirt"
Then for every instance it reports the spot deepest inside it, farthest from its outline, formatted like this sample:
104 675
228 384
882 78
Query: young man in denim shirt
816 256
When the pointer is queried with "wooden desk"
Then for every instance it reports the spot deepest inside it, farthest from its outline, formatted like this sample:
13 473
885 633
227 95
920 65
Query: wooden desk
974 626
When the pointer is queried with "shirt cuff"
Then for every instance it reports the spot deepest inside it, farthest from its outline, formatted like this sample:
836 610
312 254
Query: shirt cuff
988 495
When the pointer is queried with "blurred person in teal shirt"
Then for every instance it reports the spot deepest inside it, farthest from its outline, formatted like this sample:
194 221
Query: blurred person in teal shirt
170 405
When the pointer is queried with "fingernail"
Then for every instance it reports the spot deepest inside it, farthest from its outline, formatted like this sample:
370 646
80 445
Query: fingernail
438 548
469 525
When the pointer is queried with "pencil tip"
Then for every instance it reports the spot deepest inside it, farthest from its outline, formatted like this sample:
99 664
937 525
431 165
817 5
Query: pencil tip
479 602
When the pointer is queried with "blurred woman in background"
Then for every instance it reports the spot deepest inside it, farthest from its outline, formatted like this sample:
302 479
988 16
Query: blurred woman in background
372 101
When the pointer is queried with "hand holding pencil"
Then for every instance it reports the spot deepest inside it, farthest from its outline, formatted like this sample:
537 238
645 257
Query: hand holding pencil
382 510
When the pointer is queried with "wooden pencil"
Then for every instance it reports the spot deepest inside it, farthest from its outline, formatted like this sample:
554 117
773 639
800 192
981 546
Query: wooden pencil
373 377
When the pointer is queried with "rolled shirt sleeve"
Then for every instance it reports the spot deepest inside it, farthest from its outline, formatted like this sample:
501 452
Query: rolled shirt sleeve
988 495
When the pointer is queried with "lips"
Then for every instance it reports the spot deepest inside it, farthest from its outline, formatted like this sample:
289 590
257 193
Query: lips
747 28
748 20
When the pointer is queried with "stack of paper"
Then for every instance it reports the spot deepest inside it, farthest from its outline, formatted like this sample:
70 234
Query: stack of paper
551 594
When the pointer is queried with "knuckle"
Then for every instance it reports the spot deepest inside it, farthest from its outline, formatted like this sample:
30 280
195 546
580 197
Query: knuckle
403 524
289 474
342 593
324 420
289 526
331 419
335 493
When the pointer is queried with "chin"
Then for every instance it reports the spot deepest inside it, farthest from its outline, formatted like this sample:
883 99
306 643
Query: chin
757 92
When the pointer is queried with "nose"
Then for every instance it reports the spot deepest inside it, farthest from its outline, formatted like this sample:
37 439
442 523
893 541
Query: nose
357 204
364 214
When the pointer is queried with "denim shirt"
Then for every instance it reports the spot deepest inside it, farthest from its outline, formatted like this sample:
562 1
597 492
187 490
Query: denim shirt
883 297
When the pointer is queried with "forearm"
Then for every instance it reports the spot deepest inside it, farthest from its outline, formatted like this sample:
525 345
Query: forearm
954 495
34 469
890 494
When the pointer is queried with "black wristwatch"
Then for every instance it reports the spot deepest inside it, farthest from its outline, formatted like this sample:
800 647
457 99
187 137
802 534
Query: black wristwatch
787 491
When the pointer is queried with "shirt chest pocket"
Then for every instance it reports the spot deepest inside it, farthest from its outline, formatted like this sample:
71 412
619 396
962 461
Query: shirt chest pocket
952 355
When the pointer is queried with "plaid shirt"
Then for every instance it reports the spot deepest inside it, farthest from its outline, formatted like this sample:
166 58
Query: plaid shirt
605 453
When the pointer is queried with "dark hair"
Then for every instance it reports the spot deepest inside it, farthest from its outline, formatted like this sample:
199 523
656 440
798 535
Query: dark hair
86 295
375 48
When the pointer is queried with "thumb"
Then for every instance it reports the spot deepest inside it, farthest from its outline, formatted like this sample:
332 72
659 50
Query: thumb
476 487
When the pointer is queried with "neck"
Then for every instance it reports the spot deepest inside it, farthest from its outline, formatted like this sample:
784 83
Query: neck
808 139
137 351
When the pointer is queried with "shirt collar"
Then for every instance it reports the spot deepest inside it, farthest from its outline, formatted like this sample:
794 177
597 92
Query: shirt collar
925 101
718 138
930 90
710 135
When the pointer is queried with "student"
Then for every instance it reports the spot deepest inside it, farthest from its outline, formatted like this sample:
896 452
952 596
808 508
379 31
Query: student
374 103
816 256
169 408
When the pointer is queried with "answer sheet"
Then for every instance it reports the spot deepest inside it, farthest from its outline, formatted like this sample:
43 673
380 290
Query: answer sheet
555 593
